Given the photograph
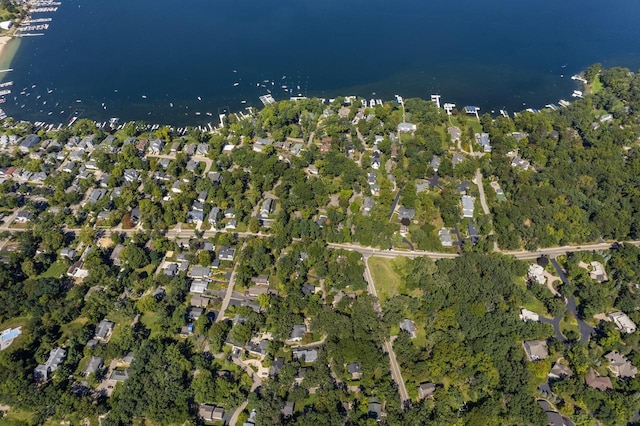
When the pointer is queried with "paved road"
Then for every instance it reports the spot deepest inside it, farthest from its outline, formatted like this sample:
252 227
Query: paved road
257 381
555 323
232 281
585 329
483 199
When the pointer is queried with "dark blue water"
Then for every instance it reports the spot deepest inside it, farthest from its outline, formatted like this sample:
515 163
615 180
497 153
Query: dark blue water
494 53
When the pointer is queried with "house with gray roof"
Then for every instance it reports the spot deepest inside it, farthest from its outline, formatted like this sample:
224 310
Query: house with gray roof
226 253
367 205
56 356
306 355
426 390
536 349
29 142
445 237
104 330
94 364
408 326
483 140
620 366
467 206
297 333
405 213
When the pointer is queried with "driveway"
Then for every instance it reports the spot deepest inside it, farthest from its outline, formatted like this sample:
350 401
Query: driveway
585 329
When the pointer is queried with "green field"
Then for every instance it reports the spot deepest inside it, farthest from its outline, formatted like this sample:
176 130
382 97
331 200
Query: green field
56 269
385 278
596 85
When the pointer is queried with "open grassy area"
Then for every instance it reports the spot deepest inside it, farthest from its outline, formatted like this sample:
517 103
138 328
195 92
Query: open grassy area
386 280
151 320
56 269
596 85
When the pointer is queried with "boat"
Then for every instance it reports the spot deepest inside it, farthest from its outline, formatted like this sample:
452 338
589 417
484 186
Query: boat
144 96
171 104
236 84
199 98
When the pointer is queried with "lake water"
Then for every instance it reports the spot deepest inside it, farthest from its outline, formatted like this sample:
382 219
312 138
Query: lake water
134 59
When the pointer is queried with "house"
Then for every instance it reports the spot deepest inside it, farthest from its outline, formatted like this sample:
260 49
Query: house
307 289
115 255
23 217
202 149
406 127
287 410
536 274
596 381
467 206
527 315
266 208
104 330
445 237
435 163
155 147
408 326
94 364
536 349
194 313
194 216
464 187
200 272
215 177
261 280
226 253
372 177
258 349
229 213
374 409
197 206
28 142
623 322
131 175
454 133
8 336
175 188
473 232
96 195
559 371
306 355
405 213
597 272
199 301
375 160
192 165
520 163
276 366
120 375
620 366
68 253
232 224
367 205
355 370
198 286
214 214
297 333
170 270
202 196
483 140
56 356
426 390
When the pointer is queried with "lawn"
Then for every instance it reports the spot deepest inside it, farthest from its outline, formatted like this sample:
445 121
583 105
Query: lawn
596 85
56 269
385 279
151 320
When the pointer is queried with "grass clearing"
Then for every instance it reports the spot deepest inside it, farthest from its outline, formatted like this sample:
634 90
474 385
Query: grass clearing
56 269
386 280
151 320
596 85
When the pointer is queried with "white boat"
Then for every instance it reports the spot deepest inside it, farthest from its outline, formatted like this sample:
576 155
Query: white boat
236 84
144 96
199 98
